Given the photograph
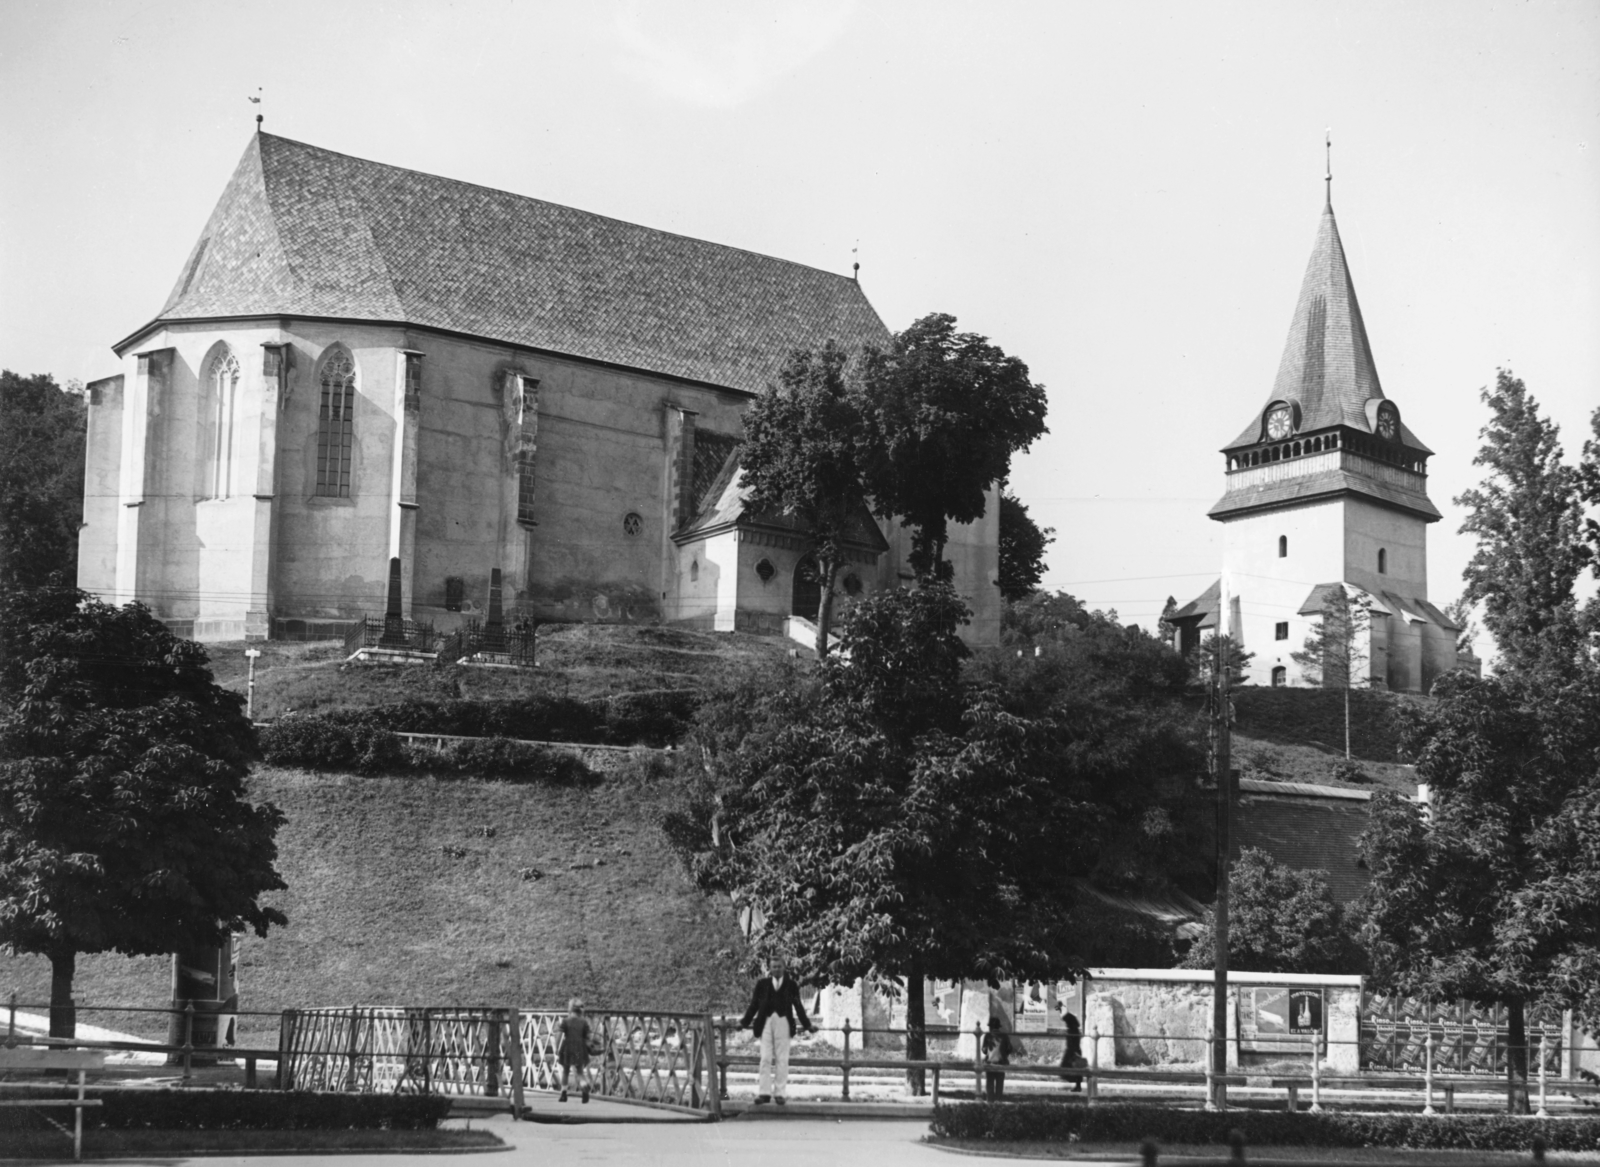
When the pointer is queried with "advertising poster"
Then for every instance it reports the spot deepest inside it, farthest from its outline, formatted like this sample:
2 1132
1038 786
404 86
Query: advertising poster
1274 1019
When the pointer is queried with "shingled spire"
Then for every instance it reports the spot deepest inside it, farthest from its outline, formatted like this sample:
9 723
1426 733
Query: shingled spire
1327 367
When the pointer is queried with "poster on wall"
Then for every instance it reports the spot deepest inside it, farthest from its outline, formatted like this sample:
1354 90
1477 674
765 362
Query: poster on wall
1279 1020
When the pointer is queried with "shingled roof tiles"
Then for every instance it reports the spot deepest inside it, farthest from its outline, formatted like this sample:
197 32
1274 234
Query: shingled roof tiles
1327 364
302 231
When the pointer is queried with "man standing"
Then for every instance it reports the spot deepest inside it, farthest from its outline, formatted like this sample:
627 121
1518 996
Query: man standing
775 1013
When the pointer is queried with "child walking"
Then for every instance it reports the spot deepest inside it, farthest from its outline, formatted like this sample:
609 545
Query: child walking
573 1053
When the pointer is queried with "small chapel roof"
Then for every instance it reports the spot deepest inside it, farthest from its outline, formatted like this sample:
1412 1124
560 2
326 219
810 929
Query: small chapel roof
1327 366
303 231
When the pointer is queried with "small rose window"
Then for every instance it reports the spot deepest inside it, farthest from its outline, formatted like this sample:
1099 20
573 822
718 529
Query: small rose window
632 523
852 584
766 571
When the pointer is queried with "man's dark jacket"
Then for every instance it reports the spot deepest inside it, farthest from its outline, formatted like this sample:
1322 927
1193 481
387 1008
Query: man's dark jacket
784 1002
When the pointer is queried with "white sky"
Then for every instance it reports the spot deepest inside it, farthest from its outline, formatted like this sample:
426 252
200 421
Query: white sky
1122 194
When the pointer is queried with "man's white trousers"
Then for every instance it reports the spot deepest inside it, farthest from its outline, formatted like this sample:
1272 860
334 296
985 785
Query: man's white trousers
774 1073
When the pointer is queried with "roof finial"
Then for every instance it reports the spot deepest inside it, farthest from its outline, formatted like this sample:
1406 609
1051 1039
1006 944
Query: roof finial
257 101
855 264
1327 145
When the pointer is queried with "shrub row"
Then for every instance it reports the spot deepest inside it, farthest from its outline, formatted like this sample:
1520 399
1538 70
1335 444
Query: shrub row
1063 1122
322 743
259 1110
629 719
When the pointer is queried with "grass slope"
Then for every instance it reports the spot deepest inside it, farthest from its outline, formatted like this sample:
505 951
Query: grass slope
397 895
1297 735
577 661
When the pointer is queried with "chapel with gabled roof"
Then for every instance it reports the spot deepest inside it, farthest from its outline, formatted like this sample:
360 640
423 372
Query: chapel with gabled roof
1326 485
359 362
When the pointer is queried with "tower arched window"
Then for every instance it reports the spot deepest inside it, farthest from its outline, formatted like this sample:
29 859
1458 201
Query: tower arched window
1283 547
336 424
1280 677
219 409
1383 561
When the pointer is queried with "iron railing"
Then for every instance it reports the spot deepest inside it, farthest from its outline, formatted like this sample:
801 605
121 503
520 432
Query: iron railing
380 632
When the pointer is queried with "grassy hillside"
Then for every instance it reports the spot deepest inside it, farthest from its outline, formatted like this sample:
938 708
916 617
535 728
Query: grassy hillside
574 660
1297 735
399 893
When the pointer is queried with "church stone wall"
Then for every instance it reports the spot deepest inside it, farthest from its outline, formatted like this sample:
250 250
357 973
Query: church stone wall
1271 587
97 538
1403 538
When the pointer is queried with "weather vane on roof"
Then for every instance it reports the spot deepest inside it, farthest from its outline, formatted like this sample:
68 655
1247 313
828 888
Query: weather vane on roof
257 101
1327 146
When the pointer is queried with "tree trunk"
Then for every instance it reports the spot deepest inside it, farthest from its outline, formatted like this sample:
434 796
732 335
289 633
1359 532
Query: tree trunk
826 572
916 1033
1517 1055
63 1017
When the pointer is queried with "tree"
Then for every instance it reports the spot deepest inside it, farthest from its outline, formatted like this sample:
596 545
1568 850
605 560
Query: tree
944 413
41 479
892 821
1589 494
1279 920
1039 616
1492 891
1336 651
1459 612
1022 544
802 457
1164 626
123 820
1528 517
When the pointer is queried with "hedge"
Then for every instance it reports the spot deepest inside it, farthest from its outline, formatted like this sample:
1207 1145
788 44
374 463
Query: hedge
323 743
655 718
1116 1123
259 1110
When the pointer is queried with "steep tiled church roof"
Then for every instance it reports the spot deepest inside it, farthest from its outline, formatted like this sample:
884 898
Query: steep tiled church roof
1327 365
302 231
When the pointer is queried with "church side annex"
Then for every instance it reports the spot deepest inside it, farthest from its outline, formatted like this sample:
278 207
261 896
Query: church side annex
359 361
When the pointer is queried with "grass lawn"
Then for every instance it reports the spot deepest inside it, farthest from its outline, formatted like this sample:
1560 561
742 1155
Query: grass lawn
100 1144
582 660
1174 1153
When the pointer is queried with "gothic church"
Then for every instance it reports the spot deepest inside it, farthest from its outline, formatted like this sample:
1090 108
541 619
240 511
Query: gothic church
360 362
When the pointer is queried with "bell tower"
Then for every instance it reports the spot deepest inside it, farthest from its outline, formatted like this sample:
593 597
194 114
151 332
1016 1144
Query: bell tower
1326 485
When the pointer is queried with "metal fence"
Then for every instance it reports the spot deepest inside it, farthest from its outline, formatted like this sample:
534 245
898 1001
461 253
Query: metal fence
374 632
514 645
657 1058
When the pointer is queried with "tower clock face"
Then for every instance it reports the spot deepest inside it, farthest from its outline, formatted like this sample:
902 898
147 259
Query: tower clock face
1388 424
1278 424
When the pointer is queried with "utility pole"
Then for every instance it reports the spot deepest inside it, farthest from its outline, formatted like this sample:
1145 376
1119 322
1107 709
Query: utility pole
1222 771
250 655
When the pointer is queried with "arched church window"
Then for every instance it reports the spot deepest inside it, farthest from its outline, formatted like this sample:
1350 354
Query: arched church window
852 584
1283 547
219 421
1383 561
1280 677
336 424
694 570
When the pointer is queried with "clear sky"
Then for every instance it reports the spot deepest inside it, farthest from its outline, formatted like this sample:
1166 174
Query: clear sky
1122 194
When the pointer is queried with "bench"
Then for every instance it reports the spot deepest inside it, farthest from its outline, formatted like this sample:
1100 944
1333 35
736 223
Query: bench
26 1059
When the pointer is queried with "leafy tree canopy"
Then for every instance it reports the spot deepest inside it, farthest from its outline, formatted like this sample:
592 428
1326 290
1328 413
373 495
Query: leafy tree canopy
945 411
1279 920
41 479
1022 545
803 456
1493 891
1528 518
123 819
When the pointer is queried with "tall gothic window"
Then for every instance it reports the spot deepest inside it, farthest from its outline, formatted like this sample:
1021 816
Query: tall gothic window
219 414
335 431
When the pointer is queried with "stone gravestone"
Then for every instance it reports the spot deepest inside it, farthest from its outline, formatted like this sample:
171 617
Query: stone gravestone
394 624
494 628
